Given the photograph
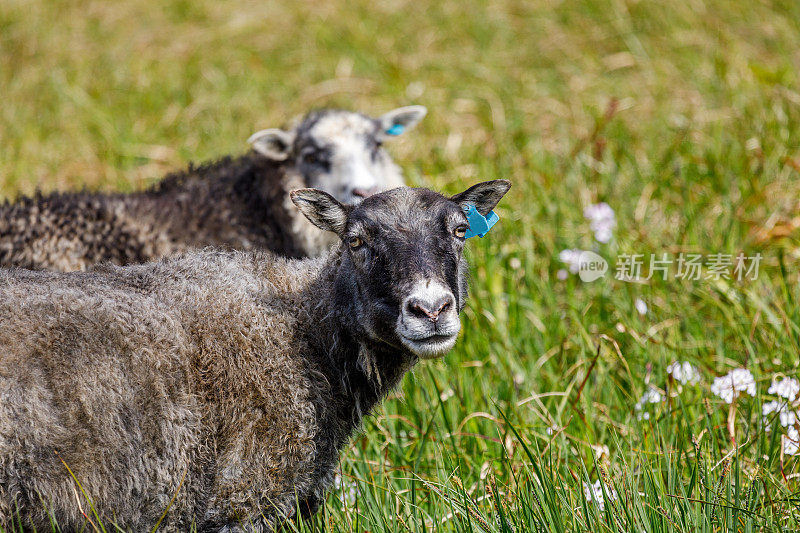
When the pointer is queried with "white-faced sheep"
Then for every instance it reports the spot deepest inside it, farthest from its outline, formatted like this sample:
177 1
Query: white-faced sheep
236 203
221 385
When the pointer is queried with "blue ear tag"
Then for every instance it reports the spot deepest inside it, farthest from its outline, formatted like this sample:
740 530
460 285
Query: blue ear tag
478 224
397 129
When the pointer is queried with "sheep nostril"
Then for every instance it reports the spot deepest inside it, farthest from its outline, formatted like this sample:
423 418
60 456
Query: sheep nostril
418 310
421 310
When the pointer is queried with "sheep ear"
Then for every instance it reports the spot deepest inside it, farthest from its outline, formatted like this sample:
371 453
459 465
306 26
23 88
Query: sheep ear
400 120
322 209
273 143
484 196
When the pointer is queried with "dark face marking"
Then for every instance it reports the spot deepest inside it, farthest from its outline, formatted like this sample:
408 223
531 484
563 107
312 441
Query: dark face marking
402 277
341 153
406 256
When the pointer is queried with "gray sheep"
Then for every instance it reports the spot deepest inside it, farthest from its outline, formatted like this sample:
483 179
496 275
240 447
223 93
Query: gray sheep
227 380
236 203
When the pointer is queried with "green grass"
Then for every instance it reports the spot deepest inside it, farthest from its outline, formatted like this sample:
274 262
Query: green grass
683 116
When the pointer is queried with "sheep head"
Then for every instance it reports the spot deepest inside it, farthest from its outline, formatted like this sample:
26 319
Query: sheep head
402 276
340 152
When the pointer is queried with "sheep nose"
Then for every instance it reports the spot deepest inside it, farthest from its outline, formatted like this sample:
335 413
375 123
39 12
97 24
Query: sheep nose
431 309
364 193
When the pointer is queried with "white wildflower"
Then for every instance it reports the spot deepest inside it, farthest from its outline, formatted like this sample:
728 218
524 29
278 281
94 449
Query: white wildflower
785 388
562 274
771 407
602 221
786 415
734 382
594 493
600 451
791 442
552 429
347 489
640 306
572 258
650 396
684 372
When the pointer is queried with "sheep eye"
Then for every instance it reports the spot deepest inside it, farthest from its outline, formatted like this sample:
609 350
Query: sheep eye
355 242
460 231
316 159
376 149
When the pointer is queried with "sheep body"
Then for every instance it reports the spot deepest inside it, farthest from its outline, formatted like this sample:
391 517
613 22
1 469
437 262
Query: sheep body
193 401
236 202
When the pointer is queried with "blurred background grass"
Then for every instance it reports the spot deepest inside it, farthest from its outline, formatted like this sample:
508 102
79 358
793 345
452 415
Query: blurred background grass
683 116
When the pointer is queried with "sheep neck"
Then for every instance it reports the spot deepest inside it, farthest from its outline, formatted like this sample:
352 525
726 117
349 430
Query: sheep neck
361 371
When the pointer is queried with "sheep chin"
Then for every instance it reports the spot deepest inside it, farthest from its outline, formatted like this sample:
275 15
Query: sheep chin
432 347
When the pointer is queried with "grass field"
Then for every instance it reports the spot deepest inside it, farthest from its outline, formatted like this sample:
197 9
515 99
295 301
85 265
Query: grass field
683 116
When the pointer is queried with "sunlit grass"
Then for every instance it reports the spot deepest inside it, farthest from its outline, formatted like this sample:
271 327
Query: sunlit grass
683 116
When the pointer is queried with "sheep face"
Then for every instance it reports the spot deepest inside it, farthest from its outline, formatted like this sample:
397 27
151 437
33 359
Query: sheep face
403 274
340 152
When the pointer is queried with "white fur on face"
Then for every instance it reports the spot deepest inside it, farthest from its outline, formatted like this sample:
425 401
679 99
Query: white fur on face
424 337
309 238
336 126
353 164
